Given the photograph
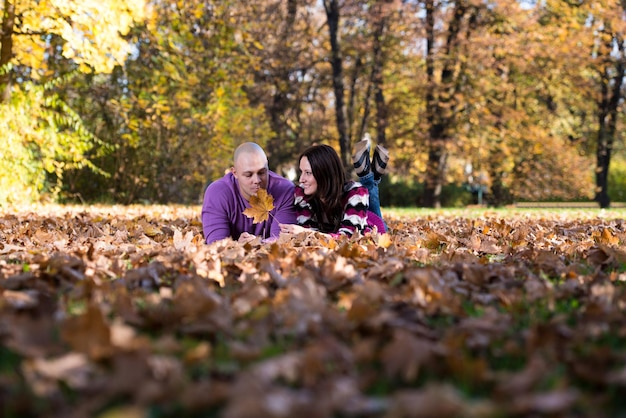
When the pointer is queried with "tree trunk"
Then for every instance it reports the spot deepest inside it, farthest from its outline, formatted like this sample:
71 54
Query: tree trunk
603 158
6 49
283 145
377 81
332 16
439 103
351 106
435 169
607 124
499 195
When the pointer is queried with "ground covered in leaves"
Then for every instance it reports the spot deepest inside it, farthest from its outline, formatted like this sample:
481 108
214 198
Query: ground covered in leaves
118 311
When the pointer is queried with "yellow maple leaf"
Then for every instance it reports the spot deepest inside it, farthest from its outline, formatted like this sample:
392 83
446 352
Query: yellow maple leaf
607 237
383 241
260 206
149 229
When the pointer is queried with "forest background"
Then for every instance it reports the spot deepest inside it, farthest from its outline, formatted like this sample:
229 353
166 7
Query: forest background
128 101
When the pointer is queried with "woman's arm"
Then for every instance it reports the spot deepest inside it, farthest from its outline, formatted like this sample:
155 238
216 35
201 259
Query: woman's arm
356 205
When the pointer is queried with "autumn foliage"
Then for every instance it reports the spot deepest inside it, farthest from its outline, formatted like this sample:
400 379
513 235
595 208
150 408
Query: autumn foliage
144 101
111 311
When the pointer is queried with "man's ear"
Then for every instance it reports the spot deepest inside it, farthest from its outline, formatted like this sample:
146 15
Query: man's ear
232 170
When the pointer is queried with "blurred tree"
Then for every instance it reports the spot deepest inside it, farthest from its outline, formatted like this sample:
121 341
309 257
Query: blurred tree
288 75
333 21
442 84
41 139
92 32
44 45
449 28
587 46
609 53
296 74
525 102
179 108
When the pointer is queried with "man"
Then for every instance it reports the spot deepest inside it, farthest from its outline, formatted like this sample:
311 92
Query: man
227 198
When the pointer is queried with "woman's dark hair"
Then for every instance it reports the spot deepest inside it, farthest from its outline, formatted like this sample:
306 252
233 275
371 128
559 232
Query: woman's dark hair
330 176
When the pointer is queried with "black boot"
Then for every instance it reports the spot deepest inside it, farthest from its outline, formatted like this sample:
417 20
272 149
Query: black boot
381 158
361 158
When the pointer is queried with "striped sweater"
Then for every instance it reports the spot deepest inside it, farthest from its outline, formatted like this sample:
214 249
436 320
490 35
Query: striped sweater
356 200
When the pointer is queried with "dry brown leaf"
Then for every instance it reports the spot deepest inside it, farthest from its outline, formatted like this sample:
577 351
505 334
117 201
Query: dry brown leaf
442 401
548 403
405 355
181 242
88 333
149 229
607 237
260 206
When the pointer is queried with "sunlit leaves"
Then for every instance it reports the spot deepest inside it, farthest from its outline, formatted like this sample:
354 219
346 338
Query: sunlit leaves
93 31
183 106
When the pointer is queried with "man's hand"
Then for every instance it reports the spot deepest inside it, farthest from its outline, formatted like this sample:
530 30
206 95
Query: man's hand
246 237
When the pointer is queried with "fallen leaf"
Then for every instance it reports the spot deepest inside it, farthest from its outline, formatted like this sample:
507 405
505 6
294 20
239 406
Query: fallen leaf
260 206
181 242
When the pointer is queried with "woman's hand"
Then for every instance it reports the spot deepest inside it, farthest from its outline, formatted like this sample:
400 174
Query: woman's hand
293 229
297 229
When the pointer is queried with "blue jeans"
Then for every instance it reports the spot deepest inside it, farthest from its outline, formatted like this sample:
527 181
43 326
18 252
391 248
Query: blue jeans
372 186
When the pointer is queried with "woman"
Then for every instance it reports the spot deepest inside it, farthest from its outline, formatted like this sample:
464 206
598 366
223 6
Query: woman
327 201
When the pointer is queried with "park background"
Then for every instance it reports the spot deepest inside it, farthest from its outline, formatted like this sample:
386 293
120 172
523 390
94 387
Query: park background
112 305
126 101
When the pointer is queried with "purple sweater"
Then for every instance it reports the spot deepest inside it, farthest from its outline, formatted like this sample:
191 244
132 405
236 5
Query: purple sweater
222 210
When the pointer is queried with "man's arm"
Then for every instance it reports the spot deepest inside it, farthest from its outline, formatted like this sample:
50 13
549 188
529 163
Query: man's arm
215 219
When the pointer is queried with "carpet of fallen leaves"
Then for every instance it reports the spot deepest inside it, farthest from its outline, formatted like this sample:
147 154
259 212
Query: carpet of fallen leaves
125 312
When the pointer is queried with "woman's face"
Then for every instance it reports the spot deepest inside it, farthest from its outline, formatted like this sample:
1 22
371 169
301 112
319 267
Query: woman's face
307 181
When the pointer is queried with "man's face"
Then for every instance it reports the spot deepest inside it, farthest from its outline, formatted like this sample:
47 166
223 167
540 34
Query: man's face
251 172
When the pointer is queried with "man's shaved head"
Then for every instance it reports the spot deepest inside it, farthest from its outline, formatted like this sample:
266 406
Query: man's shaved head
248 148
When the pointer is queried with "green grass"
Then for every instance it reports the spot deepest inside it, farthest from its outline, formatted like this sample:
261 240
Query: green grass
478 212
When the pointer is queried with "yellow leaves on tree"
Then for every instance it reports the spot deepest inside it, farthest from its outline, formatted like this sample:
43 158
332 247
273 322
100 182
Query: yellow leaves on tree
93 31
260 206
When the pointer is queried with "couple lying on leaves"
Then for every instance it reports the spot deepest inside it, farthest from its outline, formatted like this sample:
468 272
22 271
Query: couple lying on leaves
325 200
